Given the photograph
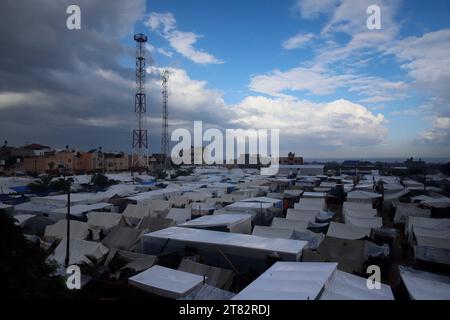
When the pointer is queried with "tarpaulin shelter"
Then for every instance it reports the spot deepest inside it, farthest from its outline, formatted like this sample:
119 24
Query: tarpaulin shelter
79 252
347 231
423 285
346 286
166 282
289 281
236 223
123 238
58 231
216 277
179 215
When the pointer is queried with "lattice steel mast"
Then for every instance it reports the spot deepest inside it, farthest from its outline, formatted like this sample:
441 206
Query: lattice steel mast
165 120
139 159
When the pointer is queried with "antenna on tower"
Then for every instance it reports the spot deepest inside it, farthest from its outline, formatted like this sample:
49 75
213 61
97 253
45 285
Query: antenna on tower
165 119
139 158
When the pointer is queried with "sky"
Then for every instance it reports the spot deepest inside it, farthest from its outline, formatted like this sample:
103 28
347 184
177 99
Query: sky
311 69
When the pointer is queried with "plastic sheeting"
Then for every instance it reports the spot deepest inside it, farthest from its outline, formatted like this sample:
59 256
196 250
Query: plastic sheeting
78 230
123 238
79 251
179 215
216 277
346 231
166 282
289 281
297 225
423 285
207 292
403 211
346 286
302 214
237 223
80 209
103 220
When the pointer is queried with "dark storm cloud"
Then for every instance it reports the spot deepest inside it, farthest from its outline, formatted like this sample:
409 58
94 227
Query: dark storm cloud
52 78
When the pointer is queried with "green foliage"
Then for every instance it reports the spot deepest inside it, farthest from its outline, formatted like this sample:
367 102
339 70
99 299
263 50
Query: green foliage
41 185
23 269
445 168
58 185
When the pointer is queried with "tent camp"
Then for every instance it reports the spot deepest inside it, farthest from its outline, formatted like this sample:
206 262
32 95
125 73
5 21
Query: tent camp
362 196
289 281
123 238
236 223
166 282
216 277
80 209
302 214
404 210
103 220
297 225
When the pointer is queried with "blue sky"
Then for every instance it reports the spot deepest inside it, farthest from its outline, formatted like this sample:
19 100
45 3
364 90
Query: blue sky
249 41
310 68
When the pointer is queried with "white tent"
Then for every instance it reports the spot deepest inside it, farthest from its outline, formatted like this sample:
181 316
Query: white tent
103 220
289 281
362 196
136 211
302 214
80 209
405 210
236 223
297 225
166 282
346 286
233 243
346 231
161 194
179 215
79 251
197 196
273 232
201 208
423 285
78 230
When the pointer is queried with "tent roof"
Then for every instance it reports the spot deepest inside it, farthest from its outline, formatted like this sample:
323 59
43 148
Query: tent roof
217 220
346 231
166 282
289 281
423 285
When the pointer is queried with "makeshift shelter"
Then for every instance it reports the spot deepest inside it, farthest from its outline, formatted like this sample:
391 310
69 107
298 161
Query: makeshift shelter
161 194
297 225
302 214
58 231
347 231
273 232
201 208
362 196
159 208
348 253
245 251
289 281
262 209
179 215
150 224
207 292
36 225
236 223
123 238
313 195
134 211
346 286
81 209
178 201
216 277
166 282
310 204
197 196
405 210
103 220
423 285
122 260
80 251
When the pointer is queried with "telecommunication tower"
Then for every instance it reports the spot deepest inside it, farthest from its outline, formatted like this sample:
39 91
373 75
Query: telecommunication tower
165 119
139 158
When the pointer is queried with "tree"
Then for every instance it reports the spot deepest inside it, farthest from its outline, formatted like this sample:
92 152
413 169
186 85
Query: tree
41 185
23 269
100 180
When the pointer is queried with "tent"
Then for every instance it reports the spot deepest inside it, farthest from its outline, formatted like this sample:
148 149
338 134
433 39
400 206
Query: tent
236 223
346 286
79 252
159 208
289 281
80 209
348 253
103 220
273 232
219 248
362 196
216 277
123 238
57 231
127 260
166 282
404 210
302 214
297 225
201 208
179 215
134 211
347 231
423 285
150 224
207 292
197 196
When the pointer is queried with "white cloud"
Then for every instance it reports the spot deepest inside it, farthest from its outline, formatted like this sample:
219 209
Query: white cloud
335 124
182 42
439 133
12 99
312 8
297 41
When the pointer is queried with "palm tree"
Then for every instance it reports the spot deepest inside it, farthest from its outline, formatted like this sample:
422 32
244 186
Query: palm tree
41 185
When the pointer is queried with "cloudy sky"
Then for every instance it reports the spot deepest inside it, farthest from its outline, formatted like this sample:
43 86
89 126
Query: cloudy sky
313 69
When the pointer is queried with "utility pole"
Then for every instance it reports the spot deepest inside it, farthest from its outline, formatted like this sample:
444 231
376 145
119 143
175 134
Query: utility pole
165 120
68 223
